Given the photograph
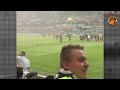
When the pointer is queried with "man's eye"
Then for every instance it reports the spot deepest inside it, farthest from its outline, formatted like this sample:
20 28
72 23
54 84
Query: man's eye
82 60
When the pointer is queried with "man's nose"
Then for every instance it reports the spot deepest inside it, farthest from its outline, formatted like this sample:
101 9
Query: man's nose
86 64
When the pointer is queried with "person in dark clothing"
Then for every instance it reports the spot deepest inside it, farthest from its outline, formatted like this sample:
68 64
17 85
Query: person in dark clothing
31 74
60 38
50 77
69 37
19 73
36 77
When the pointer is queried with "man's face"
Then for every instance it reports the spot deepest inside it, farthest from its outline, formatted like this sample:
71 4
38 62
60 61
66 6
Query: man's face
78 64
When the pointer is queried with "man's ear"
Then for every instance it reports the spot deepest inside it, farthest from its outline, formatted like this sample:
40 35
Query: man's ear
65 65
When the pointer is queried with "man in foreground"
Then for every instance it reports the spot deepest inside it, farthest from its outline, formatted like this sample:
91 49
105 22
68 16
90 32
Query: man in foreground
73 63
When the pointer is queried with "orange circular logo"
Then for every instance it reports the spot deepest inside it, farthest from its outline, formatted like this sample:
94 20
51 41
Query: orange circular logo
112 20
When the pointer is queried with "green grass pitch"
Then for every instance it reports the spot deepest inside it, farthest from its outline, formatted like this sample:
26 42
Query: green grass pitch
43 53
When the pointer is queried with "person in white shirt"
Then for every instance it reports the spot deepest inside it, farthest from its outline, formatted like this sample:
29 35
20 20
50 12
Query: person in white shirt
23 62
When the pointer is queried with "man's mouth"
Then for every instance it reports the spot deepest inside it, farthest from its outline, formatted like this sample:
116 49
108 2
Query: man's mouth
85 70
